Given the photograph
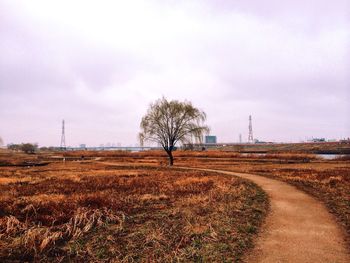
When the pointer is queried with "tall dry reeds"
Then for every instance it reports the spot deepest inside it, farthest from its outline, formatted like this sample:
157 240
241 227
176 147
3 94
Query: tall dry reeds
95 211
32 240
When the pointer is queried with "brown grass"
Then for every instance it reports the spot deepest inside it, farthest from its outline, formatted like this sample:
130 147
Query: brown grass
101 211
327 180
157 214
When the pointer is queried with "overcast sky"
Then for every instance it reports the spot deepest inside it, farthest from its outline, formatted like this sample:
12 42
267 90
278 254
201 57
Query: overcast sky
98 65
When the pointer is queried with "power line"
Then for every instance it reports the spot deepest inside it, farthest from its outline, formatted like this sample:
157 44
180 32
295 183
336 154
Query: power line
63 137
250 136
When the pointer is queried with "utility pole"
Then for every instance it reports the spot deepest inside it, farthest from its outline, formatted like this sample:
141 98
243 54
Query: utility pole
250 136
63 137
240 138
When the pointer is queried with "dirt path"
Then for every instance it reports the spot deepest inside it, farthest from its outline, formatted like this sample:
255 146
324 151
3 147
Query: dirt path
297 229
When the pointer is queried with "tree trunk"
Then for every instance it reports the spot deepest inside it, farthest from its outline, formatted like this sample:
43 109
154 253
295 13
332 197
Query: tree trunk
171 158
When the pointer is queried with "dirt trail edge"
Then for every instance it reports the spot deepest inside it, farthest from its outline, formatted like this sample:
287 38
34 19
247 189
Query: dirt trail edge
297 229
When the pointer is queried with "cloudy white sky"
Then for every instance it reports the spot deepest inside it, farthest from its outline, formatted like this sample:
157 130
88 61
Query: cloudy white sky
98 65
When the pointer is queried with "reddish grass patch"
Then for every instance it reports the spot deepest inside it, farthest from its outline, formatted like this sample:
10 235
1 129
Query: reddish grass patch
98 212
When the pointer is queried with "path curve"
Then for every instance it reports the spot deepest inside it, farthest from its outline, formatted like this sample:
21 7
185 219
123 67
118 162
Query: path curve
298 228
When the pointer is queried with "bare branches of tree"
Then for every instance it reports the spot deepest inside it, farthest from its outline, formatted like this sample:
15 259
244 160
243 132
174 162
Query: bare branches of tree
171 122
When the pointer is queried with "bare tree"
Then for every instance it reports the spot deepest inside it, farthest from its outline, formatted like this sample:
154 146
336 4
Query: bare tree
170 122
24 147
29 148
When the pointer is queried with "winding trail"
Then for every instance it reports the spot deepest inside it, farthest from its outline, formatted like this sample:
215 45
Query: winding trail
297 229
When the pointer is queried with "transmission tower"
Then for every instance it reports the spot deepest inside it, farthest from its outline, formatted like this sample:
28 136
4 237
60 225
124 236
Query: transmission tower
250 136
63 137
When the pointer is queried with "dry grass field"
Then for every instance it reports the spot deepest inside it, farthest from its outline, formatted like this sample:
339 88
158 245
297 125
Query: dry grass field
116 207
327 180
308 147
129 207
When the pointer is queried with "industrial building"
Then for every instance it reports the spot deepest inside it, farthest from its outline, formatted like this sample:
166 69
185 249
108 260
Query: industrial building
210 139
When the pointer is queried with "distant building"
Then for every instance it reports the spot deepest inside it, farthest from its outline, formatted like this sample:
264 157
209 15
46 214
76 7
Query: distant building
258 141
210 139
317 140
82 146
347 141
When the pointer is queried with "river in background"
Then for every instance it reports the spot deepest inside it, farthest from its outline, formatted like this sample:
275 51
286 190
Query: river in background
332 156
323 156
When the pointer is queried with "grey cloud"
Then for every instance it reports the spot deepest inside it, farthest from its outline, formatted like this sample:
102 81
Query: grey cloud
102 68
312 9
284 62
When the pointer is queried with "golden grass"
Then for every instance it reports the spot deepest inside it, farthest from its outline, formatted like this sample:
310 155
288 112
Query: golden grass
170 215
102 211
327 180
7 180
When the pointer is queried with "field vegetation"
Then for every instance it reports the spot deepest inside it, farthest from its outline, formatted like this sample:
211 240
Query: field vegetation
132 207
309 147
327 180
91 209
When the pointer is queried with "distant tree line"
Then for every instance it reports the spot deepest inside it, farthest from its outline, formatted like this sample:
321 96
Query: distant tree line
29 148
49 149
